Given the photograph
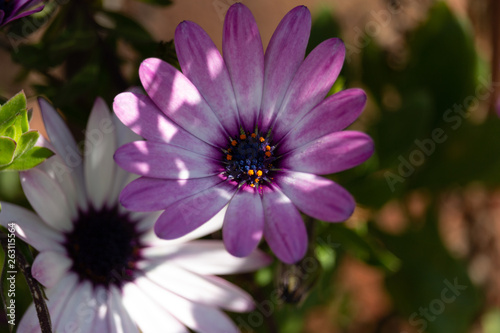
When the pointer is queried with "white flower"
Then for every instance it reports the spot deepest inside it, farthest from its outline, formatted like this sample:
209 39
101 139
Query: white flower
104 268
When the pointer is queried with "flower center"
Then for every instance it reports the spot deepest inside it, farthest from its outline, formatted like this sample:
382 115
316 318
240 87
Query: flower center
249 158
104 247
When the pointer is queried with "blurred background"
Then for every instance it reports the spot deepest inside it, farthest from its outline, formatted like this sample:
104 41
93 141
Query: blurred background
421 252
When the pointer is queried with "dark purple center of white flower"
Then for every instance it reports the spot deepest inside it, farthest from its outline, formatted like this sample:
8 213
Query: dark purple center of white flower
249 159
104 247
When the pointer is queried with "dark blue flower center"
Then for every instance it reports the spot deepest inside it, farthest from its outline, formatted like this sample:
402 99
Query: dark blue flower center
104 247
249 159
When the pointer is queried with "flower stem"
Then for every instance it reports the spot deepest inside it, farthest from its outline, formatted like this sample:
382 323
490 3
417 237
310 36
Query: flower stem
36 291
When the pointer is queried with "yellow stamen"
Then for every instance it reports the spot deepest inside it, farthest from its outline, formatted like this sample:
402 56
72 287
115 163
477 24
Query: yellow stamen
253 185
229 157
268 148
253 135
262 139
268 153
256 180
243 136
259 173
234 142
250 172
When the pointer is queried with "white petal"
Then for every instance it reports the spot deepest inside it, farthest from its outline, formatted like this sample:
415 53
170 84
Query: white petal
30 228
119 318
211 257
100 145
49 267
58 297
101 322
212 291
62 140
47 199
198 317
121 177
65 177
149 316
79 312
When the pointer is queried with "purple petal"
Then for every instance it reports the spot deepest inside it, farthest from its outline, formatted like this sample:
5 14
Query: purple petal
202 63
24 4
158 160
331 153
310 84
188 214
244 57
243 223
284 54
179 99
284 229
152 194
316 196
142 116
18 12
333 114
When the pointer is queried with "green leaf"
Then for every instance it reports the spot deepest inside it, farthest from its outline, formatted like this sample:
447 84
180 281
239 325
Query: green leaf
431 289
491 321
26 142
13 109
10 132
30 159
128 29
361 246
324 27
7 149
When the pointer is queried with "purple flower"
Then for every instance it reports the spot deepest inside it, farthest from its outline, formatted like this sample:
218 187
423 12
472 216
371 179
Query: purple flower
11 10
246 133
104 269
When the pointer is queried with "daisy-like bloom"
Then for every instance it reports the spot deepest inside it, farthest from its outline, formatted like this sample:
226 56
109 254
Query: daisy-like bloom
248 131
11 10
104 268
